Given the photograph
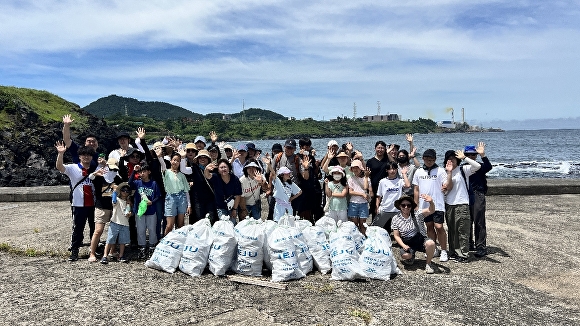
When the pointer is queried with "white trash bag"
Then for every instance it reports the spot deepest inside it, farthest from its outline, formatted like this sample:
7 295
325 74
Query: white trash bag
250 256
168 252
302 224
196 248
283 257
223 248
327 223
353 230
269 226
344 257
303 254
319 247
377 259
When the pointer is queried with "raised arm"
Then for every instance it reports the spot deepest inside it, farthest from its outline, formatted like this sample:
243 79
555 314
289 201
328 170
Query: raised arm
66 121
60 148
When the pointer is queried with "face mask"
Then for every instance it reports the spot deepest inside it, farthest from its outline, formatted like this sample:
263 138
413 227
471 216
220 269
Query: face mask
402 159
337 177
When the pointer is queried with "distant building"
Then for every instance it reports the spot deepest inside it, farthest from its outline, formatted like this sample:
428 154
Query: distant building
446 124
382 117
226 117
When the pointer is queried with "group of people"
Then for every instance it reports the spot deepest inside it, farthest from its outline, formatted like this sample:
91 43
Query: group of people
144 193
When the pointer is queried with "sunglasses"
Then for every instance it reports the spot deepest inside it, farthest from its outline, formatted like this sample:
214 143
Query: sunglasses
406 205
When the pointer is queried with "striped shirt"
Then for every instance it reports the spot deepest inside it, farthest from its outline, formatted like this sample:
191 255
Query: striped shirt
406 226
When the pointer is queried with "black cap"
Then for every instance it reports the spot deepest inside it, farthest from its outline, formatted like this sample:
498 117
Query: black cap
449 154
251 146
277 148
430 153
290 143
123 134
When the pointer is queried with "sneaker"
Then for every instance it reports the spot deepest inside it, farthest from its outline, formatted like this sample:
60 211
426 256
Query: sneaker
123 259
74 255
142 253
429 269
461 260
437 252
151 251
443 256
480 253
104 260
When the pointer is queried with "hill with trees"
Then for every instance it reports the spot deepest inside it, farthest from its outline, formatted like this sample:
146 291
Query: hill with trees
114 105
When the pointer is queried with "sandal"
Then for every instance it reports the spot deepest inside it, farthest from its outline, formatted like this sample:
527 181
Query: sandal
104 260
92 259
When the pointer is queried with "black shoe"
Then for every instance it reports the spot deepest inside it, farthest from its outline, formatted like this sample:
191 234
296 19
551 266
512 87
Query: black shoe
480 253
142 253
461 260
472 247
123 259
74 255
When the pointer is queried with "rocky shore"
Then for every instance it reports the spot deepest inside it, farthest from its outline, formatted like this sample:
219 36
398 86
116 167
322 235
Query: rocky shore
529 277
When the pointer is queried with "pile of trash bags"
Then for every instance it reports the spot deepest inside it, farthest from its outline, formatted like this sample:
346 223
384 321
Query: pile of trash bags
290 248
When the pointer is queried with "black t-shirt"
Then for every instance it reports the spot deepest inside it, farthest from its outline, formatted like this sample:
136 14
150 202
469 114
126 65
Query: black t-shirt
378 170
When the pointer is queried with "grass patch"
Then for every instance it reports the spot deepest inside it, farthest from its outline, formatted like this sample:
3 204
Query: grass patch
360 313
28 252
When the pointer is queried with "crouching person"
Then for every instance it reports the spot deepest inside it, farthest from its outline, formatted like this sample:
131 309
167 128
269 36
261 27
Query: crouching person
409 230
119 225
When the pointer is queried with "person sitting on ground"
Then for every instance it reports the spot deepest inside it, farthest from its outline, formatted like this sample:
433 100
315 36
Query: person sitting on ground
477 191
83 194
227 188
409 230
119 226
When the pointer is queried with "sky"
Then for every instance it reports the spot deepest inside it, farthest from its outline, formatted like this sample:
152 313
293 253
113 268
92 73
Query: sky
496 59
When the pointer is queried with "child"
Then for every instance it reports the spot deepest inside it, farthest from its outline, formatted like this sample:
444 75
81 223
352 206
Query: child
337 191
390 189
119 225
146 189
177 202
358 188
285 191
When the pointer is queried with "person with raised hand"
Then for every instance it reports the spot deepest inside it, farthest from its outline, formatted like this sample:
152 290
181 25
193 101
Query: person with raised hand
457 203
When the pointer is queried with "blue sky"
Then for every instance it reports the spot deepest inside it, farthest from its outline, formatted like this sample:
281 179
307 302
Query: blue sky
497 59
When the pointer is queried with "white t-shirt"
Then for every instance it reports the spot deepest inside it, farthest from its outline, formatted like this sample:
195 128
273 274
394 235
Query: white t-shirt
431 184
390 190
84 193
459 194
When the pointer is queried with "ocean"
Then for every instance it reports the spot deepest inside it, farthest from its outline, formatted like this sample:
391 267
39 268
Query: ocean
513 153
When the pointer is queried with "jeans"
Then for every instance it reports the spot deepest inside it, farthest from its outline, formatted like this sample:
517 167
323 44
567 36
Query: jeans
255 210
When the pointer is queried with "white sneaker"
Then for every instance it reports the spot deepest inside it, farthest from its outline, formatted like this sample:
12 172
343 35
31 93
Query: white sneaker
429 269
443 257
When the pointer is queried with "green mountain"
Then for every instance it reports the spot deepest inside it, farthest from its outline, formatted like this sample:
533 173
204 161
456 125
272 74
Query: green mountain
114 105
257 114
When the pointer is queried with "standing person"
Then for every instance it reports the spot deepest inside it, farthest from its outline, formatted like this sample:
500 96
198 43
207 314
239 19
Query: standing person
148 190
240 158
276 149
227 188
409 230
200 142
177 202
90 141
201 193
337 191
293 162
457 203
83 194
252 183
119 226
390 189
378 168
477 190
285 191
430 180
124 141
310 208
105 181
359 189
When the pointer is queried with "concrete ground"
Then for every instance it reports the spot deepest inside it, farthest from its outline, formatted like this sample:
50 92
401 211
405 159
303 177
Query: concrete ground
531 277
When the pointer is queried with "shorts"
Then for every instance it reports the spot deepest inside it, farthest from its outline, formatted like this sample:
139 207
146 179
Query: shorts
360 210
175 204
103 216
417 243
338 215
437 217
120 231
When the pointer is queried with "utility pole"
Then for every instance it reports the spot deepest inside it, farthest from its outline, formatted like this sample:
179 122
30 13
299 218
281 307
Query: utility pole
354 111
378 108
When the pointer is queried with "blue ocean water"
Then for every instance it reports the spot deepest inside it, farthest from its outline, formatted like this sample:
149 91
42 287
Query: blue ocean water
513 153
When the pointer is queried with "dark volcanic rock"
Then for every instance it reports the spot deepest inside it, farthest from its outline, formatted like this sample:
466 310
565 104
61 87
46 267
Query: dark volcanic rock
27 153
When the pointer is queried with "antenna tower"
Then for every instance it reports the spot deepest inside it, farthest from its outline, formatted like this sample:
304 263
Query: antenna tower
354 111
379 108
